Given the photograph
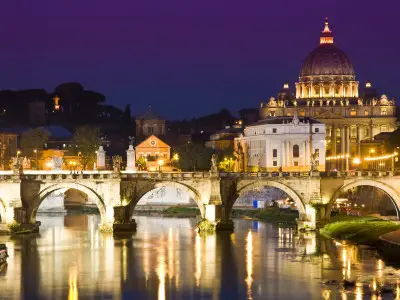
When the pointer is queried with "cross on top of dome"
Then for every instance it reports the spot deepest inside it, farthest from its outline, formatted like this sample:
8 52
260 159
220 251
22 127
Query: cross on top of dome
326 35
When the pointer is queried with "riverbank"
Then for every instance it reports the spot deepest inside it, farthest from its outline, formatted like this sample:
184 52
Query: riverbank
358 230
265 214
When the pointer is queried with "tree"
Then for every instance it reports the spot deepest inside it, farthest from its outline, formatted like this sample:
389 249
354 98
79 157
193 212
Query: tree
194 157
127 115
88 140
33 139
141 163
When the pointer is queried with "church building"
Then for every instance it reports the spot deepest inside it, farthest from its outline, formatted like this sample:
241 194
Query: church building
327 91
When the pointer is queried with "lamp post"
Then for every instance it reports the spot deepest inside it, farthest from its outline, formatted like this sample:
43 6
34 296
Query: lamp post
79 154
36 159
160 163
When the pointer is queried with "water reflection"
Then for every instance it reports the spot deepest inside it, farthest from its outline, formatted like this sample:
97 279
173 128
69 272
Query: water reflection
167 259
249 264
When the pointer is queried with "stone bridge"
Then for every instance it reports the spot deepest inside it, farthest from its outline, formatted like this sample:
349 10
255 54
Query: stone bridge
116 194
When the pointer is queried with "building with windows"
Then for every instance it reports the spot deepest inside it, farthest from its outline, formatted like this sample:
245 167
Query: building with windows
149 124
155 152
327 91
8 148
284 143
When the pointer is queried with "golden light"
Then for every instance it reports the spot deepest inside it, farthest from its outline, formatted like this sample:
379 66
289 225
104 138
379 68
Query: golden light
34 151
356 161
160 162
368 84
286 86
176 156
372 150
49 164
124 202
18 152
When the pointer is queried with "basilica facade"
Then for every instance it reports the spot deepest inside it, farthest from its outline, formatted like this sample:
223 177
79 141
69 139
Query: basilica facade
327 91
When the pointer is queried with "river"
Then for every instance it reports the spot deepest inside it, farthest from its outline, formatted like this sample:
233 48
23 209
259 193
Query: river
167 259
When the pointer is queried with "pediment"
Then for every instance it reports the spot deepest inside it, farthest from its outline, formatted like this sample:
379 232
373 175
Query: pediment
152 141
328 115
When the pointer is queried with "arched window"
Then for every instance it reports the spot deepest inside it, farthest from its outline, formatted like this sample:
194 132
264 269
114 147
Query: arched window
296 151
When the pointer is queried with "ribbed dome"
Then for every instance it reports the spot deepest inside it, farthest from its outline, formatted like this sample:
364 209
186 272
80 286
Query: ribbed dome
327 59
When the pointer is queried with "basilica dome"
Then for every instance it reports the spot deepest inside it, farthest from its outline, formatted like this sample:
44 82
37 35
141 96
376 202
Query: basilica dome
327 59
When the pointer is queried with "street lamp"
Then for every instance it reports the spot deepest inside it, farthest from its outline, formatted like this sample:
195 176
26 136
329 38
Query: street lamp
37 163
160 163
79 154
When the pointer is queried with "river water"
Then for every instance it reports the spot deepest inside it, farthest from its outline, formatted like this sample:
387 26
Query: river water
166 259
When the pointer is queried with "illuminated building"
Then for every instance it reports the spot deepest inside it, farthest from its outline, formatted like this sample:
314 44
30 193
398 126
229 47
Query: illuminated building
8 148
224 139
156 153
285 143
327 91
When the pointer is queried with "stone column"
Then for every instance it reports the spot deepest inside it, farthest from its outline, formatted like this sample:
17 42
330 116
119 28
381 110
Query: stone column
101 158
347 131
342 146
305 153
288 160
130 159
281 155
358 140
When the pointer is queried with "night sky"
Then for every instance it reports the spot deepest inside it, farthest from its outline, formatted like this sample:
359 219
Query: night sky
189 58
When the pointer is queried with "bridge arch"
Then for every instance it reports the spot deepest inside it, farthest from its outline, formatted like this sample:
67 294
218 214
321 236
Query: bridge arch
387 189
194 194
62 187
271 183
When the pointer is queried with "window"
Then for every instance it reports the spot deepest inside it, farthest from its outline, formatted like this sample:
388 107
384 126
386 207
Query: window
296 163
165 155
316 130
289 114
353 113
274 130
302 113
272 114
353 131
150 130
275 163
366 113
296 151
274 153
383 111
140 155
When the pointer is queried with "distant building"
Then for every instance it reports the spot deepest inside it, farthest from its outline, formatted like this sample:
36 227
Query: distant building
155 152
225 139
286 143
327 91
8 148
149 124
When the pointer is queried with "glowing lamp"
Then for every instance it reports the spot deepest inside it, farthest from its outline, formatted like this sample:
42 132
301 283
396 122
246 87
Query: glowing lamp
356 161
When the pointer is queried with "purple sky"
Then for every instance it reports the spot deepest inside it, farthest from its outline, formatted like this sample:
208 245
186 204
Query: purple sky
188 58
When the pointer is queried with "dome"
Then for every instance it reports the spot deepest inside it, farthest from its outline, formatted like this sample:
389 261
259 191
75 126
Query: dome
327 59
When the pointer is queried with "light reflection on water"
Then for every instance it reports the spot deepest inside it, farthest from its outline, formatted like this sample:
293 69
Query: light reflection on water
167 259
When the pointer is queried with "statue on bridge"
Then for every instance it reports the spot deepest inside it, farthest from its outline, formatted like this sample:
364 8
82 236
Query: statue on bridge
214 167
117 160
313 161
